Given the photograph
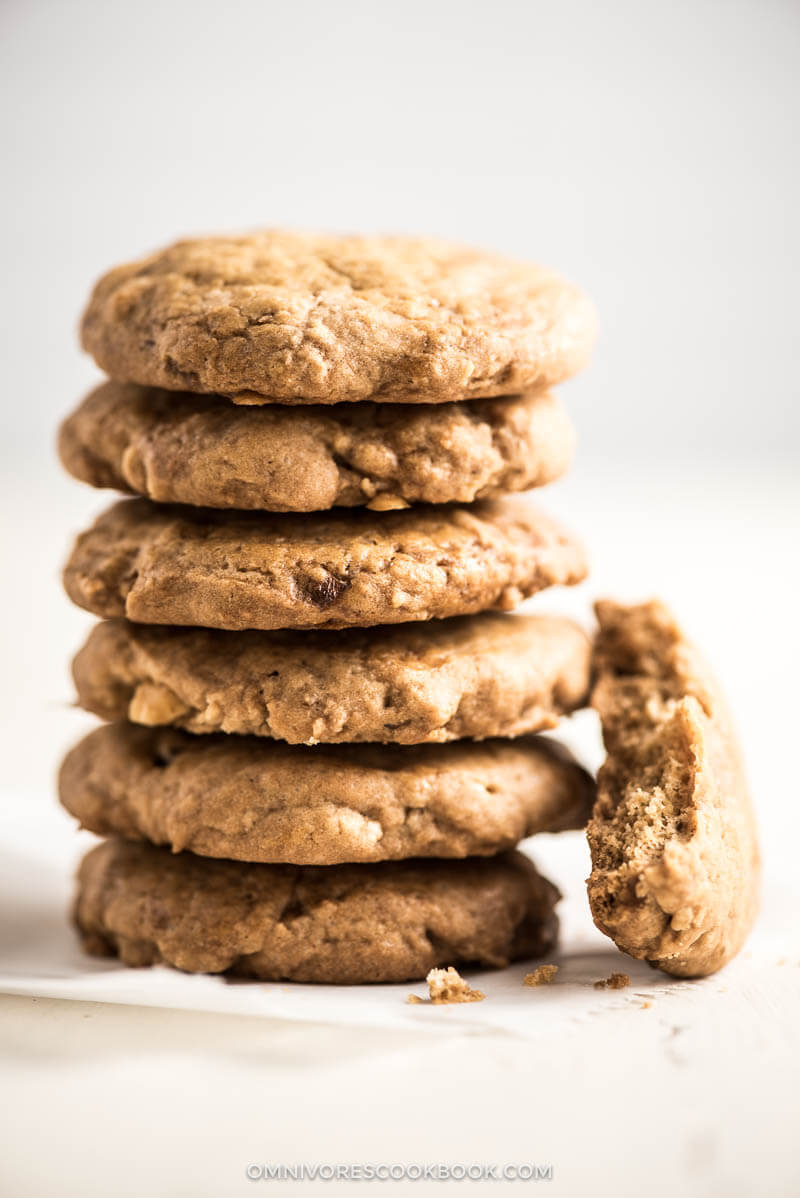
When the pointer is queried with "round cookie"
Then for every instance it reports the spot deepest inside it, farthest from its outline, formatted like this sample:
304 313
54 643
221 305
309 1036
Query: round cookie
475 676
182 448
345 924
292 317
255 800
197 566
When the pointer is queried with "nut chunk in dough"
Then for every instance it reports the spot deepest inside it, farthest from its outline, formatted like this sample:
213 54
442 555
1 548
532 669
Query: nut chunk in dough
675 863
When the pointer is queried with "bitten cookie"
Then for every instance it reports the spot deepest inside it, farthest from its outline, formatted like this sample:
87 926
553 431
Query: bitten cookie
340 924
180 448
252 800
297 317
675 863
477 676
196 566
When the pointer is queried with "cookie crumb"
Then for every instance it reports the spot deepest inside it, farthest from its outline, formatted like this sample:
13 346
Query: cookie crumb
415 998
542 976
646 1006
617 981
447 985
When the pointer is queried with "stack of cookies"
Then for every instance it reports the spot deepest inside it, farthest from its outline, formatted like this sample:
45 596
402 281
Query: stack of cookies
321 744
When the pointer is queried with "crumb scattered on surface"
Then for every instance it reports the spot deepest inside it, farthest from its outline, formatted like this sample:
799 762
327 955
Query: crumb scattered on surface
415 998
616 981
447 985
646 1006
543 975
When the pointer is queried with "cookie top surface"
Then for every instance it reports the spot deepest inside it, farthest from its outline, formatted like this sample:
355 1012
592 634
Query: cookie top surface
182 448
474 676
343 924
675 862
255 800
200 567
294 317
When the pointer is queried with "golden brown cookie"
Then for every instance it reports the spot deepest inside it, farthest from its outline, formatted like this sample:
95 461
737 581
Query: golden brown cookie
295 317
477 676
255 800
342 924
183 448
675 863
197 566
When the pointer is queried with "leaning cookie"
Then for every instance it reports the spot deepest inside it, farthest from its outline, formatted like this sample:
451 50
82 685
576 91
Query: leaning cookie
675 862
255 800
196 566
183 448
343 924
476 676
290 317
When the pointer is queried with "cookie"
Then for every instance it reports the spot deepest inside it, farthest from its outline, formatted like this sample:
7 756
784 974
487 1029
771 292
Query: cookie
168 565
675 862
342 924
181 448
477 676
293 317
255 800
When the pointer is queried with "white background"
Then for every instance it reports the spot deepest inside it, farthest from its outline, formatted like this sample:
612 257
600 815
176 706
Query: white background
649 151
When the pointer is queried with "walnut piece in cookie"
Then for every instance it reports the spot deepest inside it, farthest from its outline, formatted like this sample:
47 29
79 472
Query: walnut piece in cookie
675 860
542 976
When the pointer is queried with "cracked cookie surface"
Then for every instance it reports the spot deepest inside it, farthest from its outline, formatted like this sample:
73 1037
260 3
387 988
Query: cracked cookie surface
344 924
182 448
255 800
298 317
675 861
205 568
475 676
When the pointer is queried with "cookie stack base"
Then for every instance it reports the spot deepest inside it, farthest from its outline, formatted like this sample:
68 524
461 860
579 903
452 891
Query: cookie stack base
344 924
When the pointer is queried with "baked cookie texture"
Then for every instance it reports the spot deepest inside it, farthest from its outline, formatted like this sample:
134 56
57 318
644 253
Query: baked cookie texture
251 800
182 448
197 566
675 860
338 924
475 676
295 317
